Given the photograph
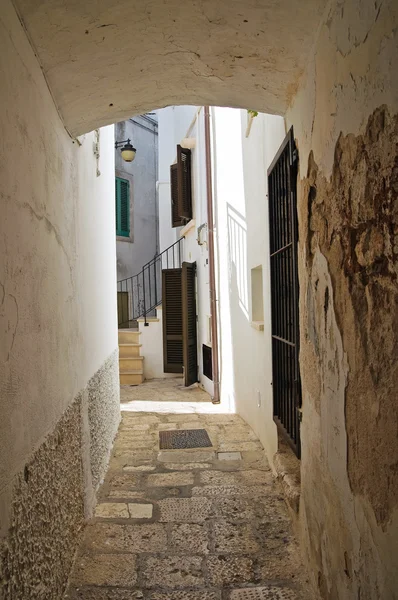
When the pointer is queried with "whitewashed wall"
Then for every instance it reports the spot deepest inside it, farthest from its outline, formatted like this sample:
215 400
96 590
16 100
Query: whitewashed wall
58 323
241 210
176 123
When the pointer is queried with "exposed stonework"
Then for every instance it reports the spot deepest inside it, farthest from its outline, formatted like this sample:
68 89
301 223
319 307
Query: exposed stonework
54 492
47 514
103 414
349 324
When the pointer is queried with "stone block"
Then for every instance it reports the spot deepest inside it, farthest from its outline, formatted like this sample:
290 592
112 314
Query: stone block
229 456
140 511
173 571
105 569
234 538
115 537
103 593
186 536
127 481
187 466
268 592
170 479
112 510
184 510
213 491
228 570
138 468
185 456
239 446
185 595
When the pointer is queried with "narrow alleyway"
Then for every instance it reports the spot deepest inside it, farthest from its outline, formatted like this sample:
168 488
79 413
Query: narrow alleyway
194 524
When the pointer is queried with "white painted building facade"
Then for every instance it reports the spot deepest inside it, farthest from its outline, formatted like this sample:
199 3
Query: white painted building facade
242 149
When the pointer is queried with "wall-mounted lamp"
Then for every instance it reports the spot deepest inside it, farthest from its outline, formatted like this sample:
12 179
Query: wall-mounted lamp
127 151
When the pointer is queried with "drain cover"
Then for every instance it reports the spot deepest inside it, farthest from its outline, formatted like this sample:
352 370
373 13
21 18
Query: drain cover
178 439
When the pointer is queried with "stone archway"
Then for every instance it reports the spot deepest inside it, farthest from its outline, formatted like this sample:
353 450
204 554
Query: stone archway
106 61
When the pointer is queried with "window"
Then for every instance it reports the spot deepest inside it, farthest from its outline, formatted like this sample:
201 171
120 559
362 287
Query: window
181 189
257 295
122 206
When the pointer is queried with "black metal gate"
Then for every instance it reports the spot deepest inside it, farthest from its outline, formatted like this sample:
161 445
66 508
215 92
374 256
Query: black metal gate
282 201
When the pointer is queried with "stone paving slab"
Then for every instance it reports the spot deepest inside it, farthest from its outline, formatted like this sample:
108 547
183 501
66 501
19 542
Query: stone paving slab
105 569
269 592
103 593
184 510
186 524
172 572
114 537
185 536
170 479
228 570
186 595
234 538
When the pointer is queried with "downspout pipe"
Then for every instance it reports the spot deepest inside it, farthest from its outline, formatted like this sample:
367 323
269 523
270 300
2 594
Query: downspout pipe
212 283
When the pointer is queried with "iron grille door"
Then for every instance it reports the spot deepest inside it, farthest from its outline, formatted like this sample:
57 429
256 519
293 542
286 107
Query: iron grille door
282 203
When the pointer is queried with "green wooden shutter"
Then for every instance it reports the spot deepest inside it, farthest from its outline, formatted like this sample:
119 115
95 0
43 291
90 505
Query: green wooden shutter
189 335
172 320
122 188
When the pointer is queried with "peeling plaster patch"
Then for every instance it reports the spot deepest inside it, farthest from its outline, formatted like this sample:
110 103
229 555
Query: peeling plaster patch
354 222
349 271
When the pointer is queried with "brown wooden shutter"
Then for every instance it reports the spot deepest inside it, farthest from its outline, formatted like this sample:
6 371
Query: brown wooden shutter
172 320
184 183
176 220
190 353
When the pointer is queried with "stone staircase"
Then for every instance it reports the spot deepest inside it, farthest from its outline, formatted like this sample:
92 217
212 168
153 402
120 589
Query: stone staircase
131 368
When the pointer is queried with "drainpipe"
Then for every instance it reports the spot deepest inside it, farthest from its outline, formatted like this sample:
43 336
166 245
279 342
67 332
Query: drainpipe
213 299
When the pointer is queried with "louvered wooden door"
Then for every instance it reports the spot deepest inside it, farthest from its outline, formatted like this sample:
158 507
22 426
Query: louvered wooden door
172 320
189 336
179 322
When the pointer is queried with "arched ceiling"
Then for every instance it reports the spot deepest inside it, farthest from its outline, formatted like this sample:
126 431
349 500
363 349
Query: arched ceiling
105 60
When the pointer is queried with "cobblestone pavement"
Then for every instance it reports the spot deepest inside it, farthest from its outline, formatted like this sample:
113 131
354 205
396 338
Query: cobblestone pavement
198 524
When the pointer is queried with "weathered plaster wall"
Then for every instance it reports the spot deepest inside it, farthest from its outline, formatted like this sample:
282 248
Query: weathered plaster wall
345 123
57 322
134 252
106 61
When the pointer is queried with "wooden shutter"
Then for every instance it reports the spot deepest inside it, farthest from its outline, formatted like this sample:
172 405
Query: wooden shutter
176 220
190 353
172 320
122 192
184 183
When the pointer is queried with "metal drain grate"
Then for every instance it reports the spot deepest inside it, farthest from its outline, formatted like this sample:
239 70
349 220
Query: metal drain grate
179 439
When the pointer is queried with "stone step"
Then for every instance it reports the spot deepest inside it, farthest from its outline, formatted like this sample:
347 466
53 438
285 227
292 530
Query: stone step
131 377
130 364
129 350
128 336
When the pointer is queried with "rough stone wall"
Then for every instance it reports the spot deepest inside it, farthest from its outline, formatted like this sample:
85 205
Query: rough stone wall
103 415
56 491
47 514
